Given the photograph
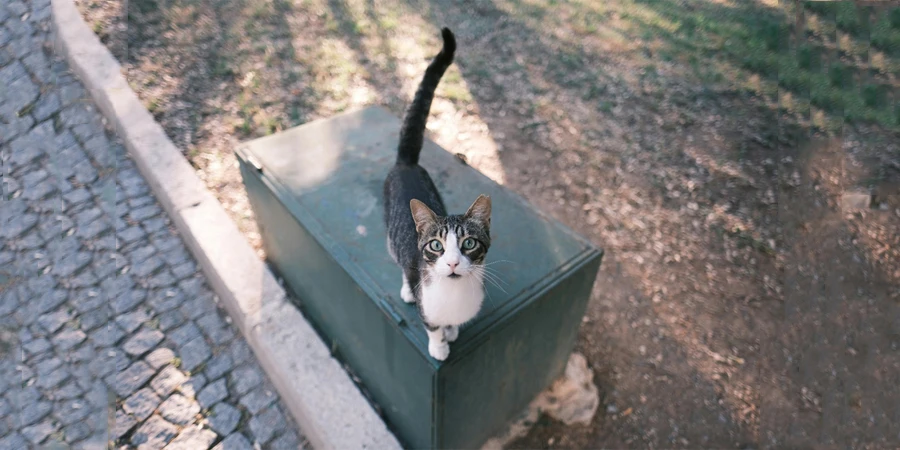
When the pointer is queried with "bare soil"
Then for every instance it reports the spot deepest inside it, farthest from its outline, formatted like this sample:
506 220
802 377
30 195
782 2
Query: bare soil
739 305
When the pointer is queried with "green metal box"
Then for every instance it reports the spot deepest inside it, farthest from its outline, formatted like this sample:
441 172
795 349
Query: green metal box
316 192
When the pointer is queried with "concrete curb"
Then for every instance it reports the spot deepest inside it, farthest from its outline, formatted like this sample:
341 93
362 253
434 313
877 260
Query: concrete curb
329 408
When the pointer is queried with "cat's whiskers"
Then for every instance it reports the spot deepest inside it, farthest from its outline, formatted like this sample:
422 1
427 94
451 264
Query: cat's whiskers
488 272
495 262
492 278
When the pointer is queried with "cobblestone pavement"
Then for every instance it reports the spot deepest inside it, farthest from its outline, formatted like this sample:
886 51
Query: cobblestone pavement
108 331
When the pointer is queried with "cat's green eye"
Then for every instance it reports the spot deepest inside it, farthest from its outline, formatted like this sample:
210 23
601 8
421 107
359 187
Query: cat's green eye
436 245
468 244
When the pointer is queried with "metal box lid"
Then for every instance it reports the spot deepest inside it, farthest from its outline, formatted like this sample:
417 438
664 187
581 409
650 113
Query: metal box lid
329 174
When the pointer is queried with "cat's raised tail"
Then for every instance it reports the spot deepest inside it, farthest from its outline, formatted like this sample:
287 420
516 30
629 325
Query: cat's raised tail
413 130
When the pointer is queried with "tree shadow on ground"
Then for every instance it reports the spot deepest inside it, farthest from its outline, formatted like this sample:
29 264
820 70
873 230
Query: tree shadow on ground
712 323
706 170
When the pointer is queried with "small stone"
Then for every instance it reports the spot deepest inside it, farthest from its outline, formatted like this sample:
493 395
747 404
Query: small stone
37 433
18 225
93 319
127 300
141 254
68 391
165 300
245 378
124 424
223 418
192 438
170 319
143 341
154 433
70 264
167 243
213 393
141 404
162 279
37 346
33 412
147 267
179 410
210 323
144 213
47 366
54 321
218 365
853 201
196 307
160 357
68 338
16 441
131 321
193 385
266 424
184 334
76 432
53 378
191 287
221 336
105 337
46 106
71 411
194 353
131 234
236 441
239 351
132 378
257 399
184 270
287 441
168 380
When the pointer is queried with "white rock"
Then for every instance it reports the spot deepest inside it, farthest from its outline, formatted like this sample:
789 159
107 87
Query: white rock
573 398
855 200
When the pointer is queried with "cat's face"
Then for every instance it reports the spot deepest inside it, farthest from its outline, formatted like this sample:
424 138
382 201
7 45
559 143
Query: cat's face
455 246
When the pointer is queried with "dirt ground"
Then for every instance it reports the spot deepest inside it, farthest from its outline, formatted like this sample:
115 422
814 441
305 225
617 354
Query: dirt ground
742 302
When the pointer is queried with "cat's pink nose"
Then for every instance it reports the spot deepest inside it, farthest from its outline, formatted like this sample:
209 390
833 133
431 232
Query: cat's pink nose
453 265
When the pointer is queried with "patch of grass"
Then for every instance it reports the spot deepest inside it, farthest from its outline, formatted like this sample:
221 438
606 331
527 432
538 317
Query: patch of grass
222 69
261 10
153 105
454 87
844 66
758 41
389 22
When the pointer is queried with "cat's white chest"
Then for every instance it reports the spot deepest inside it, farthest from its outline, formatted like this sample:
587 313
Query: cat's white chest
452 302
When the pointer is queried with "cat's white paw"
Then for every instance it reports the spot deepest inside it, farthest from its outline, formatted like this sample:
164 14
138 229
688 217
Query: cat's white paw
438 350
451 333
406 293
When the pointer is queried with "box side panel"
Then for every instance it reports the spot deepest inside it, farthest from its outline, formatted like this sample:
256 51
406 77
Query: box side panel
482 392
391 369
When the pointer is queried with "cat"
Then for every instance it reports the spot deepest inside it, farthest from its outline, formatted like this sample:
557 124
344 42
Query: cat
441 255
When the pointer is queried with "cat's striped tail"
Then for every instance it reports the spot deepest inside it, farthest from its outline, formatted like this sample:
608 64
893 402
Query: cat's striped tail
413 131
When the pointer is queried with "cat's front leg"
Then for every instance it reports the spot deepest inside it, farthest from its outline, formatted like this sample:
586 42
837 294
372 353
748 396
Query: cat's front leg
438 347
451 332
406 292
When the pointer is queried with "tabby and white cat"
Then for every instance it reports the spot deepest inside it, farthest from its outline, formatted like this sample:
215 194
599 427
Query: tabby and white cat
441 255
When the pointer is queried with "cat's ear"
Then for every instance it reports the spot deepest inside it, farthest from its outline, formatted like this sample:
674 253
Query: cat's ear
422 215
480 211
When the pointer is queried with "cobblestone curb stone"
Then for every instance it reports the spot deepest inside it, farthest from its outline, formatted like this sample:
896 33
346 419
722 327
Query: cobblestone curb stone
326 404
